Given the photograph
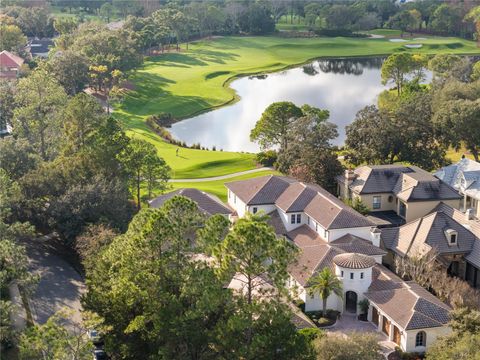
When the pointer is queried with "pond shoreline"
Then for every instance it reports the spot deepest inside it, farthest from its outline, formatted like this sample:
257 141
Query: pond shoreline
236 98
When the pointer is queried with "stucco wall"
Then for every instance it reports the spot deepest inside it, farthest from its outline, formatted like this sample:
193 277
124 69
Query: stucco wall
286 220
386 205
237 204
316 303
409 336
266 209
417 209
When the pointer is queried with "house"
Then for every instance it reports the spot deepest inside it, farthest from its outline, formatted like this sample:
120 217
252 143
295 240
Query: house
446 232
39 47
10 65
464 176
293 204
207 203
330 234
396 191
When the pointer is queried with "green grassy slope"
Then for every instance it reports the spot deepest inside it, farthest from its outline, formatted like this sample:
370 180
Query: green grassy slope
218 187
193 81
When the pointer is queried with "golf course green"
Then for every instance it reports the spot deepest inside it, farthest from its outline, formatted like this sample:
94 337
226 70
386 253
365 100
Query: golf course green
192 81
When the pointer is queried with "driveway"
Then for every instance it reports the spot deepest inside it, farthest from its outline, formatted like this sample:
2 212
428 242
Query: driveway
60 285
349 323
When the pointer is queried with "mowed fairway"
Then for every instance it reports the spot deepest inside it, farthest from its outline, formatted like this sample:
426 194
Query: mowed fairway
218 187
196 80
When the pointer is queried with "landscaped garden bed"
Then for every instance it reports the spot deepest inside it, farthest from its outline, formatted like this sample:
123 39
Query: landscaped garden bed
329 319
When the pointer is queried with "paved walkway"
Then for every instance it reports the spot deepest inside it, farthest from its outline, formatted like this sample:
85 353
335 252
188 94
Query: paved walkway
221 177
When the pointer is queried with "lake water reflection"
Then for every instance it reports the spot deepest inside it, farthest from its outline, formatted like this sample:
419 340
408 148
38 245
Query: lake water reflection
343 86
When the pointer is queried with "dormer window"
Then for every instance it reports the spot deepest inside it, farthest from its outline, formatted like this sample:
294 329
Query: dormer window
452 237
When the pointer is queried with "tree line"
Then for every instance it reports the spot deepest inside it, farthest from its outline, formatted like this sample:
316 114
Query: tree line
421 121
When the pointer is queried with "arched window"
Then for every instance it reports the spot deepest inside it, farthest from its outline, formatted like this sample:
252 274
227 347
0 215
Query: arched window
421 339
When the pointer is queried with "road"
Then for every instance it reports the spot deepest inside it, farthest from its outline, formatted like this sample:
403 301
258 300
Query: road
223 177
60 285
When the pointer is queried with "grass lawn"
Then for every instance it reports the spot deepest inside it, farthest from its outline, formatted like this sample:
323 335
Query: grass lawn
217 187
193 81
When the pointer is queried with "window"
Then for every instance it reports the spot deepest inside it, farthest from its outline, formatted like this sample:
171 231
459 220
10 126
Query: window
421 339
451 236
292 219
254 210
402 210
299 218
316 227
351 276
234 199
377 202
341 273
308 220
361 275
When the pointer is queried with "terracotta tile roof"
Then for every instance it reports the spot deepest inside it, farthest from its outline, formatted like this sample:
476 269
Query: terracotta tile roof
409 183
260 190
332 213
354 244
313 249
276 222
473 225
407 303
207 203
428 233
293 196
9 60
296 197
354 261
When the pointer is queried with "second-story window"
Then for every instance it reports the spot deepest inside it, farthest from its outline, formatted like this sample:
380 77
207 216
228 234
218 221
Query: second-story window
351 276
299 218
377 202
254 210
292 219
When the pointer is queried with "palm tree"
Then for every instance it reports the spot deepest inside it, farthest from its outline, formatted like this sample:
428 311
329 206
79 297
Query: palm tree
325 283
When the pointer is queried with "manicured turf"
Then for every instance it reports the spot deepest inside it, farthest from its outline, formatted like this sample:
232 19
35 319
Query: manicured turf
193 81
218 187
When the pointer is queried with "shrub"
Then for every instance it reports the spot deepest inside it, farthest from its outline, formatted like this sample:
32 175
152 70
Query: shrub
357 346
358 205
163 119
267 158
364 305
159 130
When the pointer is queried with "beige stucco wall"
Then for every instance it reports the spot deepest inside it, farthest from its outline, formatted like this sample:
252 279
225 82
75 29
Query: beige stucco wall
367 199
417 209
409 336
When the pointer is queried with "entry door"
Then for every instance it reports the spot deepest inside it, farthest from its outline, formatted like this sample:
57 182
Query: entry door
386 326
351 301
396 335
375 315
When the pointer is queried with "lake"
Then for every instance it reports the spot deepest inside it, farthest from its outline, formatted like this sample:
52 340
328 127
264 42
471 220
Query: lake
342 86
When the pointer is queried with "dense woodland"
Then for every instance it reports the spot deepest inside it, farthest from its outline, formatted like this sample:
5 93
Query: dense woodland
70 169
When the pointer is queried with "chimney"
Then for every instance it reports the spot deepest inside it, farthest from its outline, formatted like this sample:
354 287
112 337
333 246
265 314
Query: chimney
350 176
469 214
375 236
